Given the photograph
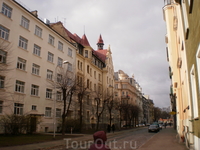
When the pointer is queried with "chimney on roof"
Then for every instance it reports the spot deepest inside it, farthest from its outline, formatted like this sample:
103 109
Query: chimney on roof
35 13
100 43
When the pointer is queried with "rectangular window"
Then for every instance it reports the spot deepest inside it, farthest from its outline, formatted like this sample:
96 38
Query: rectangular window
95 87
49 93
50 57
51 40
6 10
59 78
49 74
18 109
58 112
34 107
23 42
36 50
2 82
86 53
60 62
69 67
3 56
36 69
69 52
60 46
20 86
4 33
38 31
1 107
58 96
95 74
88 116
34 90
25 22
48 112
21 64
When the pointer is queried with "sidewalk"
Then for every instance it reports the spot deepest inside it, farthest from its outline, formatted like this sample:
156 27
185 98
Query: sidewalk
164 140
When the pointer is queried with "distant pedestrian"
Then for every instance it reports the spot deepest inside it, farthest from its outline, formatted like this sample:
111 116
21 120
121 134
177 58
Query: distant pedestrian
113 128
108 128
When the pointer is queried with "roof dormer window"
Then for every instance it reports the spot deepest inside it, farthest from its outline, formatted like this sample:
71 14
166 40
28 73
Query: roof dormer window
86 53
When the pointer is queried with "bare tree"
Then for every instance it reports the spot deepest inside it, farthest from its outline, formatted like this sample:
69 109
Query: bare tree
65 82
101 100
82 90
110 106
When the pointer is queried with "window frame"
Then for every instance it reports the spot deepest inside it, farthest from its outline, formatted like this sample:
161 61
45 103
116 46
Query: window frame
1 107
70 52
49 74
38 31
58 112
21 64
19 86
60 62
18 108
6 10
3 56
25 22
49 93
48 111
23 43
51 40
4 33
34 90
50 57
35 69
60 46
36 50
2 82
69 67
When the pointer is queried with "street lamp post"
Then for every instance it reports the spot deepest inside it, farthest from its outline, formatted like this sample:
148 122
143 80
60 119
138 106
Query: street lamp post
54 116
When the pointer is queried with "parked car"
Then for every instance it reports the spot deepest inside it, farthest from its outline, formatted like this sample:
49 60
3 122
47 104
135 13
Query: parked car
148 124
153 128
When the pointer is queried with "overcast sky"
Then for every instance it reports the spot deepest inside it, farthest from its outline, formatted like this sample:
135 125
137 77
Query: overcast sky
134 29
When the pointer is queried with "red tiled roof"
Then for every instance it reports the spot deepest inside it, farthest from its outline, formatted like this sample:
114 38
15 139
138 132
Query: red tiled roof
100 39
84 41
101 54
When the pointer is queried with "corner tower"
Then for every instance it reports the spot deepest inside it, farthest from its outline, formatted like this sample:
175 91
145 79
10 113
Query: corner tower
100 43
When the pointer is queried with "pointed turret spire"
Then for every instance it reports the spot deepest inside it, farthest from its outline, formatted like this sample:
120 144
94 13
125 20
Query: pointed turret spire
100 43
84 41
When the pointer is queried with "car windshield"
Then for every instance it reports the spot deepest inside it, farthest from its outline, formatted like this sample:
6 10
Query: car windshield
152 126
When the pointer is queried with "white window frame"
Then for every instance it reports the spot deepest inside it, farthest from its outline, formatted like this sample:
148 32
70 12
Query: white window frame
51 40
25 22
58 112
69 67
60 45
19 86
18 108
23 43
36 50
2 82
50 57
59 96
38 31
60 62
69 52
3 56
35 69
33 107
49 74
49 93
194 92
4 33
6 10
48 111
34 90
21 64
198 63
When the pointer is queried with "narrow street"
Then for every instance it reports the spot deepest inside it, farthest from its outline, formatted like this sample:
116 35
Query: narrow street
127 140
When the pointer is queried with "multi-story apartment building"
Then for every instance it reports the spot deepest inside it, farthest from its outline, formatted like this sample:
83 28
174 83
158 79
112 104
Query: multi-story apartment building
33 55
128 91
37 51
148 107
182 22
